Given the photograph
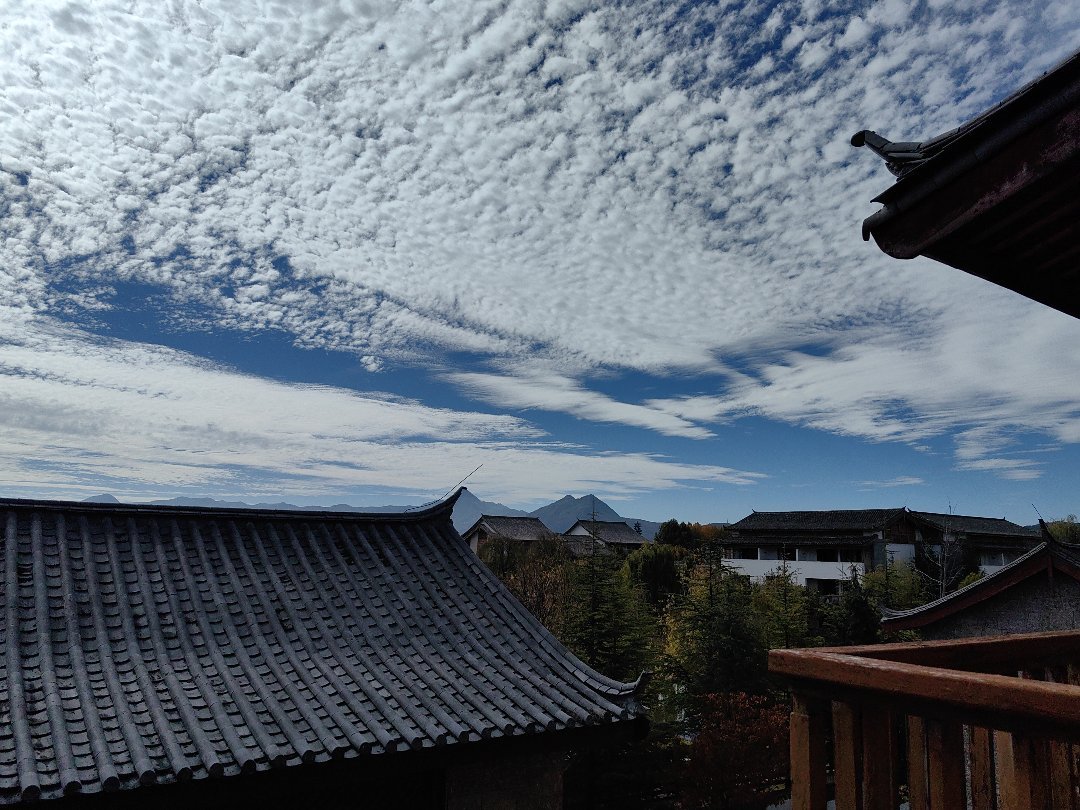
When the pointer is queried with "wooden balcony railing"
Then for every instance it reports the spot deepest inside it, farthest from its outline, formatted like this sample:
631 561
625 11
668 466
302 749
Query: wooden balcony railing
986 723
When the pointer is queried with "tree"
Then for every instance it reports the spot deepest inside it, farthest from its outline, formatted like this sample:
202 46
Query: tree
674 533
655 567
714 643
942 564
739 757
608 623
781 607
895 586
536 573
637 526
1066 530
854 618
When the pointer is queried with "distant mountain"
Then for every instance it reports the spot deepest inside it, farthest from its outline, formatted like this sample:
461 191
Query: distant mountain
568 510
469 508
558 516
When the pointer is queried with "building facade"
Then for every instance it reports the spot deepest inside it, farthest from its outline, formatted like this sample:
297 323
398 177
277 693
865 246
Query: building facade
822 549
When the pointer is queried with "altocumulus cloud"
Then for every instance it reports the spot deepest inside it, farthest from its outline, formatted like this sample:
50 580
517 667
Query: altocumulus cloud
558 189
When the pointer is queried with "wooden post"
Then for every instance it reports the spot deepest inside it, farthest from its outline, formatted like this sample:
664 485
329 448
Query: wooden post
918 784
982 769
847 756
808 722
1018 773
945 749
878 782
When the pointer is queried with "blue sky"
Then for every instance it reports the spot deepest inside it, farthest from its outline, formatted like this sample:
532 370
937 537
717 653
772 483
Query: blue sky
350 251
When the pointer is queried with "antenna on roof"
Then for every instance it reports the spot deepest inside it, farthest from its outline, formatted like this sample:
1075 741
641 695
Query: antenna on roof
443 498
1037 512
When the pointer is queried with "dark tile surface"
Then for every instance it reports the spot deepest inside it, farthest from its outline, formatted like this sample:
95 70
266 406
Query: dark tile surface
149 644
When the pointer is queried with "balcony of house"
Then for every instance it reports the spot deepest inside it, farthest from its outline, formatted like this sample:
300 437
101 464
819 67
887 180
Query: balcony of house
987 723
807 565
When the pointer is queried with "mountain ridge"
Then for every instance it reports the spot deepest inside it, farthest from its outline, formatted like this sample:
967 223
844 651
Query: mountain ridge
559 515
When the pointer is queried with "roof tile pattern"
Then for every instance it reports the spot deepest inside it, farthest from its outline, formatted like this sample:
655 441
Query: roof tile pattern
612 532
967 524
145 645
514 528
858 520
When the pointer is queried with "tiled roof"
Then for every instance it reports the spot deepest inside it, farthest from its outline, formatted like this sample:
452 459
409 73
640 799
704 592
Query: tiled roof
612 531
513 528
976 525
829 520
584 545
1048 554
144 644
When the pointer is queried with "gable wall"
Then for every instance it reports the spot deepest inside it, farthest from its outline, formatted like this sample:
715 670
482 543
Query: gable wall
1033 605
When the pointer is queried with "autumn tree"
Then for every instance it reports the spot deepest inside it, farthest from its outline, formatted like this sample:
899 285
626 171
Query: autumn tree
781 607
896 586
1066 530
739 756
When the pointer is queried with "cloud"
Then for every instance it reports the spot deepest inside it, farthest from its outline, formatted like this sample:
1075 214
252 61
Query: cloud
76 411
551 391
899 481
622 189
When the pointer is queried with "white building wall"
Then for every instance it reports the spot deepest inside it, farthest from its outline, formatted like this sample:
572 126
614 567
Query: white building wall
801 570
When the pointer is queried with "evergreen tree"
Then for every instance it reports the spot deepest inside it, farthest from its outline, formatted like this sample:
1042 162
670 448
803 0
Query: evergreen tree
674 533
852 619
655 567
782 610
714 643
608 623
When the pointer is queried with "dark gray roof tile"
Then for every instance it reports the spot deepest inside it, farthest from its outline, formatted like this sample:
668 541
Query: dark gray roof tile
145 644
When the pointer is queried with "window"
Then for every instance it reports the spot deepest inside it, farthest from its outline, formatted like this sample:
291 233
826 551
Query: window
828 555
850 555
744 553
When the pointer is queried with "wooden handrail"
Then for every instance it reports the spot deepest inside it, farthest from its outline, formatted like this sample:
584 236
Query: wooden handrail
975 653
923 715
976 697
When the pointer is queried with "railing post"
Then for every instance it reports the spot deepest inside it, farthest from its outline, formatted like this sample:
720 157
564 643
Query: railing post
847 756
945 746
1017 772
918 784
879 784
808 725
982 769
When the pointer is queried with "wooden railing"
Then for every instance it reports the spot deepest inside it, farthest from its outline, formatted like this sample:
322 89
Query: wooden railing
986 723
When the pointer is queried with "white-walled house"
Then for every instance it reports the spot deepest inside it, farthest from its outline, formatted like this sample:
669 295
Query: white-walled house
824 548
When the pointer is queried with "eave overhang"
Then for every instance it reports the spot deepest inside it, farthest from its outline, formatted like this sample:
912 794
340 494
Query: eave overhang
998 198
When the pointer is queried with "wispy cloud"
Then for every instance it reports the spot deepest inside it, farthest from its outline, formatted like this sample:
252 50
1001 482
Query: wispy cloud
899 481
76 411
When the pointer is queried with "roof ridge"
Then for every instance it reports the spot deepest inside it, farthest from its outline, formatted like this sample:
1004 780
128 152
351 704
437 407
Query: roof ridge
408 514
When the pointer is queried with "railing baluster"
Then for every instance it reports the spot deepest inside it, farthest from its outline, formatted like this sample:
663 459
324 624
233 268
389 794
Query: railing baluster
958 753
982 769
808 723
847 756
918 785
1018 773
878 782
945 747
